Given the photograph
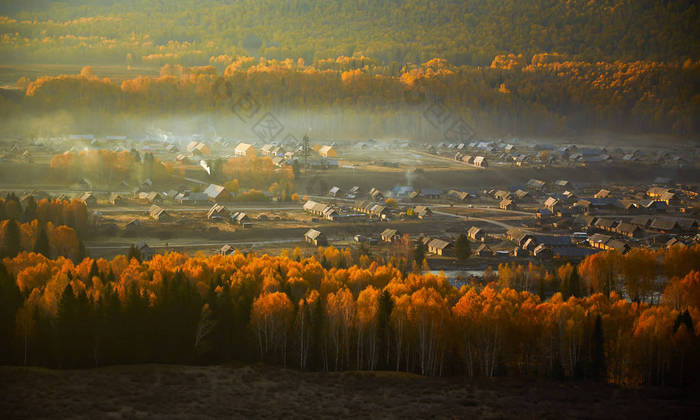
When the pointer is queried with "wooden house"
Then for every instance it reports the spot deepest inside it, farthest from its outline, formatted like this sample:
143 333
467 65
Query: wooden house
315 237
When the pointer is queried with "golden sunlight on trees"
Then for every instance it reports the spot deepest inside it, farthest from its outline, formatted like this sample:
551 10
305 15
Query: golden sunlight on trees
327 312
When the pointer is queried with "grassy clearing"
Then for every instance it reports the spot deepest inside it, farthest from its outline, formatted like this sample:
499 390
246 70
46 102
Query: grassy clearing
237 391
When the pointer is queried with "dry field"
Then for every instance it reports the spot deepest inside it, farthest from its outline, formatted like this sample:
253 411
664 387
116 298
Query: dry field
157 391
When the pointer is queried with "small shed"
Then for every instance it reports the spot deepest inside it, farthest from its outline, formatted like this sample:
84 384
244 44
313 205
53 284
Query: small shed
315 237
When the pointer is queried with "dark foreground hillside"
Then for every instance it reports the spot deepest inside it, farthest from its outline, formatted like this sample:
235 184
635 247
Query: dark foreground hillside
152 391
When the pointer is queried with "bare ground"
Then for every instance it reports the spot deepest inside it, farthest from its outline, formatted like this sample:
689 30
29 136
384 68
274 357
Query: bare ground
157 391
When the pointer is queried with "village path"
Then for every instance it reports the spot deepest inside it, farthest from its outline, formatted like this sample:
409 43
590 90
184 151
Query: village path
505 226
174 245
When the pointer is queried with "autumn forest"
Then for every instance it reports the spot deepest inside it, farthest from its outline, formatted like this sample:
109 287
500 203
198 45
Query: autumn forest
349 208
340 309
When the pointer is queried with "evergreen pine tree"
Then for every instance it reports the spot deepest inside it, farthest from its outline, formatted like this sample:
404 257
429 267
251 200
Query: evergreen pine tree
10 241
41 244
10 302
29 209
133 253
462 247
599 370
66 327
82 252
419 253
386 306
317 336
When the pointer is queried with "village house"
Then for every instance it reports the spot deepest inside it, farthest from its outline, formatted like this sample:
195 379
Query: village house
191 146
159 214
521 195
326 211
245 150
391 235
656 192
270 150
476 234
353 192
602 194
530 244
335 192
628 229
507 204
116 199
569 196
191 198
599 241
665 225
652 206
315 237
670 198
468 159
327 151
422 212
502 195
641 221
428 193
440 247
590 204
201 149
518 236
227 250
242 219
458 195
552 204
483 251
480 162
133 225
562 183
217 212
606 224
587 222
370 208
542 251
89 199
150 197
217 193
535 184
376 195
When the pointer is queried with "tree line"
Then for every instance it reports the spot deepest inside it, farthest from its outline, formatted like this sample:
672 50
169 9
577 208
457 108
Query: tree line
548 94
48 227
340 309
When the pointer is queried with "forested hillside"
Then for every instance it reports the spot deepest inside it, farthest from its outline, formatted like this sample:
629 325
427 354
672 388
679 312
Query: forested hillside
549 94
402 31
